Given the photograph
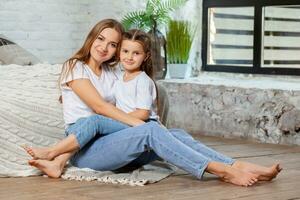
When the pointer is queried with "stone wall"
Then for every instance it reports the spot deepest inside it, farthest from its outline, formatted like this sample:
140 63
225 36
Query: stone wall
264 115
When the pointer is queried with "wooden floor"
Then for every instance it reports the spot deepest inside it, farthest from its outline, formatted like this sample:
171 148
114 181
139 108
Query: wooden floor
285 187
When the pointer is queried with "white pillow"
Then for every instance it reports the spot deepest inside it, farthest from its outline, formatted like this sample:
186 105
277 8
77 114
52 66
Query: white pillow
11 53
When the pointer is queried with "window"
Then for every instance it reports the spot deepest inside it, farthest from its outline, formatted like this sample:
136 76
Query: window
258 36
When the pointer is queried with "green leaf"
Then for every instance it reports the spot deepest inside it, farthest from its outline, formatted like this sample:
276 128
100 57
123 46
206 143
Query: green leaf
170 5
156 10
151 5
134 19
180 35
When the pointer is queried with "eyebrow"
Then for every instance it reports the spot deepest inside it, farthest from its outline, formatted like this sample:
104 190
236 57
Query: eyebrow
122 48
105 38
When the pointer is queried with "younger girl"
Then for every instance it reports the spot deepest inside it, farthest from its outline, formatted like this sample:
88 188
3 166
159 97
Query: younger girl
135 92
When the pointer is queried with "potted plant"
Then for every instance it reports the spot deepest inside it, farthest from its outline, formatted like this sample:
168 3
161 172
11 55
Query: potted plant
179 38
156 14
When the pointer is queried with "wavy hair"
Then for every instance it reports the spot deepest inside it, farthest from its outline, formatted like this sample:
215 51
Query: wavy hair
83 54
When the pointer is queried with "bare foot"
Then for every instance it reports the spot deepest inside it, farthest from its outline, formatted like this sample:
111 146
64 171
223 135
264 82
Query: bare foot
264 173
28 150
239 177
44 153
232 175
51 168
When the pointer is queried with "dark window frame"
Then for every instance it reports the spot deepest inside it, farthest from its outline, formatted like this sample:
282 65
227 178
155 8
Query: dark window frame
257 37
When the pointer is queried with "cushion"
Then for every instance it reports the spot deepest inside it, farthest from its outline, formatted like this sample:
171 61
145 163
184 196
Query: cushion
11 53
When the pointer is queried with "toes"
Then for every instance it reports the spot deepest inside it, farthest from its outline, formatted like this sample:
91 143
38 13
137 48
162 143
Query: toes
25 147
247 184
32 162
32 155
278 167
28 150
253 180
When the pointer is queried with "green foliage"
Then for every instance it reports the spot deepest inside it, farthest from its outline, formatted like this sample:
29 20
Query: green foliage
156 12
179 38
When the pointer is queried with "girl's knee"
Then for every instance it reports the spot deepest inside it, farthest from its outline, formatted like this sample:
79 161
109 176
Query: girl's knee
154 125
156 129
92 118
96 118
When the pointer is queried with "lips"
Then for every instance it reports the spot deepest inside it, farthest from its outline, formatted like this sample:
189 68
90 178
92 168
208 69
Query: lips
102 54
128 62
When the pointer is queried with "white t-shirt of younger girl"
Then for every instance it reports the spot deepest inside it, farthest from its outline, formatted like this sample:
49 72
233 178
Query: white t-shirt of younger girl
73 107
138 93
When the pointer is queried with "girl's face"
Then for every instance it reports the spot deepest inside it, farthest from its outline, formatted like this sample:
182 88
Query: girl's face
132 55
105 45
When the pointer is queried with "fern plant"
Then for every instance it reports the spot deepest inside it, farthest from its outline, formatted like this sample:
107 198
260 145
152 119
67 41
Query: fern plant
179 38
156 13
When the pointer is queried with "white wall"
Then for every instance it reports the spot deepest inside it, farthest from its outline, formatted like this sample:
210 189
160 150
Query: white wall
54 29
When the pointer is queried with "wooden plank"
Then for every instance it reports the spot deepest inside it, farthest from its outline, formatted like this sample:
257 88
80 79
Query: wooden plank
176 187
218 141
289 161
246 150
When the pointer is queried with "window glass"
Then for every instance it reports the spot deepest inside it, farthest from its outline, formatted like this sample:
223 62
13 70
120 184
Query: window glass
281 36
230 36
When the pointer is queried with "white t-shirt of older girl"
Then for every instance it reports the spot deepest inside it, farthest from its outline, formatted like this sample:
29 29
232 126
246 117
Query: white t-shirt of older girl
138 93
73 107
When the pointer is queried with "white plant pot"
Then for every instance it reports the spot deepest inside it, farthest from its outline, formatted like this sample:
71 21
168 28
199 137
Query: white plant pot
177 70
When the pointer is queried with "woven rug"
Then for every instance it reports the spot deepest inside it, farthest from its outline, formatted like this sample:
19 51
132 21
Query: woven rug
31 114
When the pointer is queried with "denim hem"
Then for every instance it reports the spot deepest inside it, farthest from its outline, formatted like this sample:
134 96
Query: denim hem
230 162
67 133
202 169
79 142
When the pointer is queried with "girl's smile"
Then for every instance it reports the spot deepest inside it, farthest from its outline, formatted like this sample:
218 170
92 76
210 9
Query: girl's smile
132 55
104 46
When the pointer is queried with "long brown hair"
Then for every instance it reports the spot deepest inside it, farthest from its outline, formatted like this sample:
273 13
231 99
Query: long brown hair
144 39
83 54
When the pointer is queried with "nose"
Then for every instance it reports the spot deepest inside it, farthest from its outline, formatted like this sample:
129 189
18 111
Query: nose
129 56
104 47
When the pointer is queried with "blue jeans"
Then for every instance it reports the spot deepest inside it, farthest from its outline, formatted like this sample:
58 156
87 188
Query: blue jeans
143 144
85 129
